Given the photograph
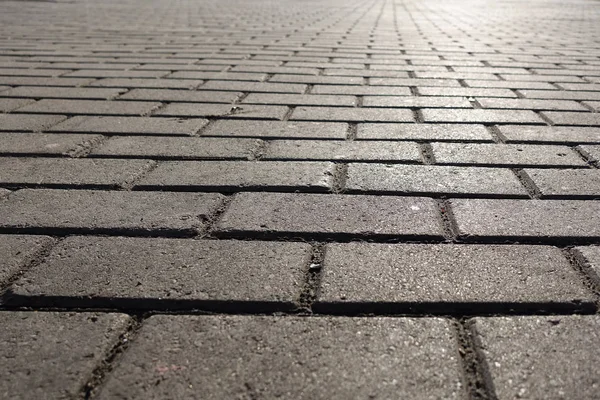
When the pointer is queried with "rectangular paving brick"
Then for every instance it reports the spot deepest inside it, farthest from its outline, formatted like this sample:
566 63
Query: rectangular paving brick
428 179
343 114
595 105
43 81
63 93
532 219
96 73
277 129
550 134
89 107
509 84
87 210
530 104
416 102
143 273
299 99
191 96
560 94
7 105
288 214
258 87
481 116
557 183
573 118
505 154
353 90
221 76
146 83
53 354
318 80
413 82
16 122
177 148
223 111
131 125
57 172
45 144
437 132
233 176
552 357
354 358
18 251
465 92
401 277
342 150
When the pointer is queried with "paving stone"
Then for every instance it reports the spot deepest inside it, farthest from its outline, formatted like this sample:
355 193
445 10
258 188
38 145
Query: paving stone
19 250
233 176
561 94
401 276
177 148
7 105
427 179
481 116
131 125
56 172
43 81
505 154
63 93
97 73
353 90
416 102
180 96
312 214
574 118
223 111
299 99
593 104
465 92
53 354
354 358
351 114
537 219
86 210
259 87
221 76
530 104
592 152
437 132
550 134
534 357
556 183
147 83
277 129
591 255
414 82
143 273
342 150
315 80
509 84
16 122
46 144
89 107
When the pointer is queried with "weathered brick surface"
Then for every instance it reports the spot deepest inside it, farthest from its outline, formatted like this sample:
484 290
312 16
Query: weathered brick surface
7 105
223 110
16 122
416 102
591 256
189 96
481 116
351 114
436 132
53 354
278 129
542 357
146 83
572 118
566 182
300 99
89 107
592 152
550 134
528 104
17 251
225 355
63 93
44 143
131 125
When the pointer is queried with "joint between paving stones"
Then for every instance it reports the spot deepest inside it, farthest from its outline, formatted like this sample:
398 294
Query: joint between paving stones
359 101
497 135
309 88
211 220
426 153
589 277
532 190
259 150
241 96
146 169
288 113
547 120
156 109
585 157
352 131
449 226
312 278
85 148
517 93
340 176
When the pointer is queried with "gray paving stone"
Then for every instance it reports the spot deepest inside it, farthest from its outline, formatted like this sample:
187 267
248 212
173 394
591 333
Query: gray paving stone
96 73
428 179
19 250
343 114
277 129
354 90
538 219
481 116
56 172
177 148
542 357
131 125
89 107
142 273
531 104
297 214
556 183
87 210
146 83
342 150
509 84
437 132
561 95
227 355
505 154
239 175
221 76
7 105
593 104
465 92
258 87
16 122
43 81
299 99
191 96
53 354
45 143
414 82
591 256
318 80
63 93
574 118
592 152
416 102
223 111
448 277
550 134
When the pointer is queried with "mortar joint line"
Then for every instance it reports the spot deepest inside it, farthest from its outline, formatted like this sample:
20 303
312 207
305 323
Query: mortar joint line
525 180
590 278
312 278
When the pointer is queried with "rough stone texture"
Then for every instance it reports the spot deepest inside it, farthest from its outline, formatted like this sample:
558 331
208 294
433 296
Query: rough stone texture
416 102
592 152
299 99
179 96
342 150
63 93
550 134
553 357
42 143
17 251
142 273
527 218
89 107
505 154
402 275
131 125
591 255
351 114
176 148
289 357
427 179
69 172
16 122
53 354
223 111
528 104
481 116
239 175
277 129
437 132
7 105
566 182
290 214
138 212
150 83
573 118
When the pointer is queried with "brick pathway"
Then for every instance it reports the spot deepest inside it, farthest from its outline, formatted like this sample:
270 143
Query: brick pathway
291 199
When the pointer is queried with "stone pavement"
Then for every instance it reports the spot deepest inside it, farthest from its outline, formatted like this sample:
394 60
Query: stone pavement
300 199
